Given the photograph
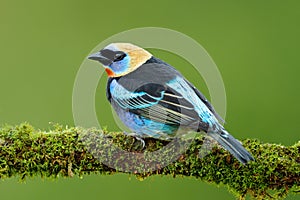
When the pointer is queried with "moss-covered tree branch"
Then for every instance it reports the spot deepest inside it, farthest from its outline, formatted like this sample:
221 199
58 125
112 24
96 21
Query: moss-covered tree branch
66 152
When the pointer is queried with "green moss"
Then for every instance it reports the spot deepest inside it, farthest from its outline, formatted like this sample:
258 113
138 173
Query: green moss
65 152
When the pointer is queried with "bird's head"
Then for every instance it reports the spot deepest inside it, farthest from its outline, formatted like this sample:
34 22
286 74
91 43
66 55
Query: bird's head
120 59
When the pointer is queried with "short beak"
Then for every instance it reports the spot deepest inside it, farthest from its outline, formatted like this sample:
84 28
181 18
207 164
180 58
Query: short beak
99 57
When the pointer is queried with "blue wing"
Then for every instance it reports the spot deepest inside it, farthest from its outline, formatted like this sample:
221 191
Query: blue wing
206 102
132 100
173 103
157 102
205 114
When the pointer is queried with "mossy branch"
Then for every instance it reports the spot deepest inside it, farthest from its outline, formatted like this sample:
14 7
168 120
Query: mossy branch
66 152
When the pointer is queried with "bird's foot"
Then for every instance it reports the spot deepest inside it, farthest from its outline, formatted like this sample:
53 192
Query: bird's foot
137 137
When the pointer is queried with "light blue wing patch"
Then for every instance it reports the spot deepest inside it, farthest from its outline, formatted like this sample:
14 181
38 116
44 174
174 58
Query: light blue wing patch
182 87
132 100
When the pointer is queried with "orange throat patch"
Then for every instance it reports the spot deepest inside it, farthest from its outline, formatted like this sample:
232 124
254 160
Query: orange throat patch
109 72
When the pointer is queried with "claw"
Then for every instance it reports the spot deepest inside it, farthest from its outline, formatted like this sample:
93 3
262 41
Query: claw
141 140
137 137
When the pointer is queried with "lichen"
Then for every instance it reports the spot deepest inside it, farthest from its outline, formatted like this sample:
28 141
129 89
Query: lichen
74 151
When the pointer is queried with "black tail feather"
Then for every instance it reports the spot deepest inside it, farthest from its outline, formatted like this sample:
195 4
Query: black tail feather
234 146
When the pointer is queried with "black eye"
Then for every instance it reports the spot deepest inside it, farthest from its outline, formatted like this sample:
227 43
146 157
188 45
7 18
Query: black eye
119 56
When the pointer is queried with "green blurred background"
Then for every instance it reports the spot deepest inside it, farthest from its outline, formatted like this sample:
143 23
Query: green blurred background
256 46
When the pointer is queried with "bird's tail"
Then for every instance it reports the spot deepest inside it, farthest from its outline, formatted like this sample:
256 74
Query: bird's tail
234 146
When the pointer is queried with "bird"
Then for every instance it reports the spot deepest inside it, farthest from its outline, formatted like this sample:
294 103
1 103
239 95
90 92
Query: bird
155 100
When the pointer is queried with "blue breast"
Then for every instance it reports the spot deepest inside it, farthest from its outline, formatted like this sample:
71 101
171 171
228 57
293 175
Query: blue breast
143 126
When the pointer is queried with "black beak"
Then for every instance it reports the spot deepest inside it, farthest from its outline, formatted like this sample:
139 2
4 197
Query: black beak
99 57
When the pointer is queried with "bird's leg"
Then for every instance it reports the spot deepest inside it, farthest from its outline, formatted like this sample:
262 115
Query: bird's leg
137 137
